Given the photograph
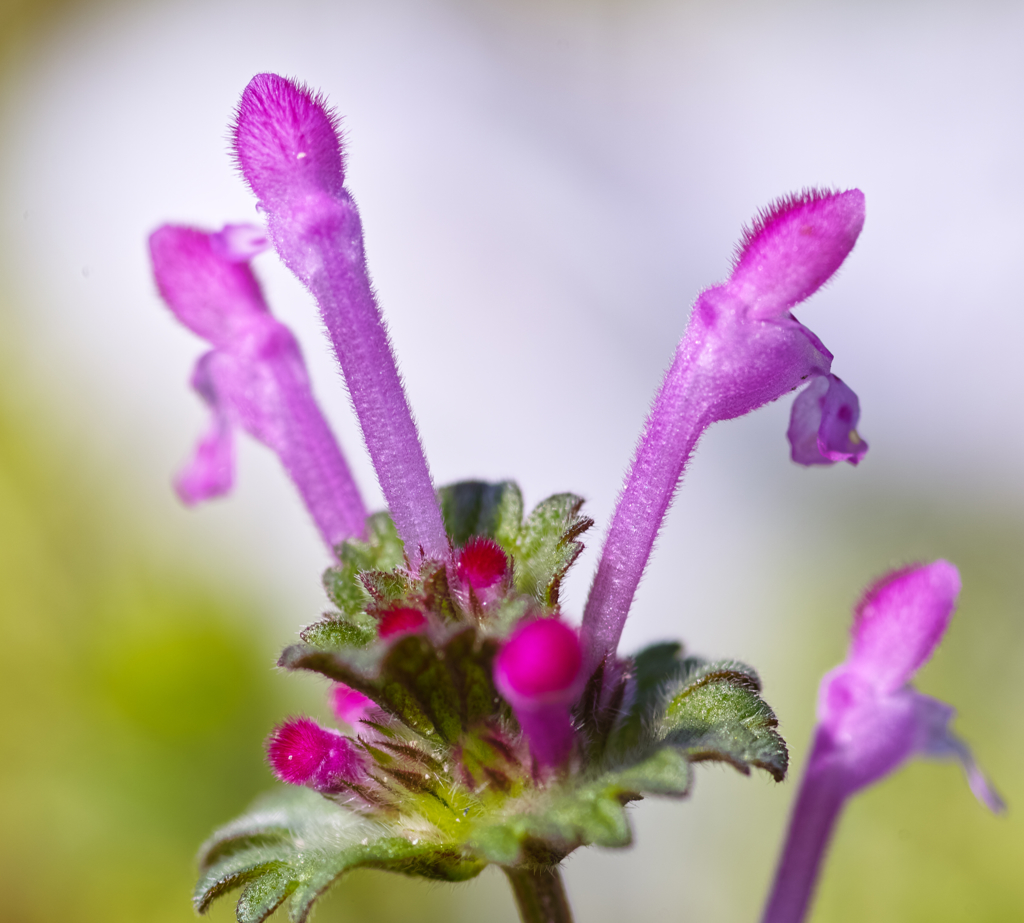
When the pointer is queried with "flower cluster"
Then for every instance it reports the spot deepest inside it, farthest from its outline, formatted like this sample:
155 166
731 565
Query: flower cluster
477 724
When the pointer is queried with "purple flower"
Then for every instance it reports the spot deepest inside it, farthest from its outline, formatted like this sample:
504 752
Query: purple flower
288 149
742 348
822 428
420 637
870 721
253 378
538 673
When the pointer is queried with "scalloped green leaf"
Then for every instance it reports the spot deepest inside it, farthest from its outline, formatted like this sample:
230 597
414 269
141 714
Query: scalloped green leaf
337 631
363 669
433 691
715 712
323 841
480 508
263 895
237 869
266 824
546 546
553 823
382 551
653 669
384 587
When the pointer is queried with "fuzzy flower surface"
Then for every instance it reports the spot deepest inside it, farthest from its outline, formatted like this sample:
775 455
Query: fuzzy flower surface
871 721
477 725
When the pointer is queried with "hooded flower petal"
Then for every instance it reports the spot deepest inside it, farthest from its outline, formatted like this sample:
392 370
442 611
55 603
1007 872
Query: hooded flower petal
288 148
254 378
870 721
794 247
741 350
899 622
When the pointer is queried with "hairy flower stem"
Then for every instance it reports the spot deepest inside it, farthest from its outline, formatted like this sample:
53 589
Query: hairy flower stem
540 895
817 808
675 423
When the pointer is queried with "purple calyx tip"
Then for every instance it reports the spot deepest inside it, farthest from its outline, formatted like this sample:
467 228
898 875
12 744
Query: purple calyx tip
349 705
539 663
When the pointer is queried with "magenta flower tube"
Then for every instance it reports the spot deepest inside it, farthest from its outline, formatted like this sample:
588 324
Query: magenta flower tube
289 151
253 378
870 721
742 348
538 673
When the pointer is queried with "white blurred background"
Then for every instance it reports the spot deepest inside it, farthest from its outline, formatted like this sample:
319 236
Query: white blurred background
545 187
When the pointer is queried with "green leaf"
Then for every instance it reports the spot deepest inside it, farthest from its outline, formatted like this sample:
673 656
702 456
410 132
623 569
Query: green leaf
469 657
236 870
478 508
266 824
546 546
338 631
263 895
551 824
382 551
436 596
413 664
434 691
542 548
653 669
362 669
321 842
385 587
715 712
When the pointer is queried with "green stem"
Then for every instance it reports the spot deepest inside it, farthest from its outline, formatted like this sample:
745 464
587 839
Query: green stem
540 895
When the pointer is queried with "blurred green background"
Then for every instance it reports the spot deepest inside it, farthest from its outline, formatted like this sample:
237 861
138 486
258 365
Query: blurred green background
137 688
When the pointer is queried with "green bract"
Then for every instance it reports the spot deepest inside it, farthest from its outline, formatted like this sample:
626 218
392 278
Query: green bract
452 786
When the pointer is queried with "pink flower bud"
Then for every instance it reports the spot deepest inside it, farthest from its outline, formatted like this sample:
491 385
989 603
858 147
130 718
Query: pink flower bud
349 705
401 621
482 564
301 752
538 673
